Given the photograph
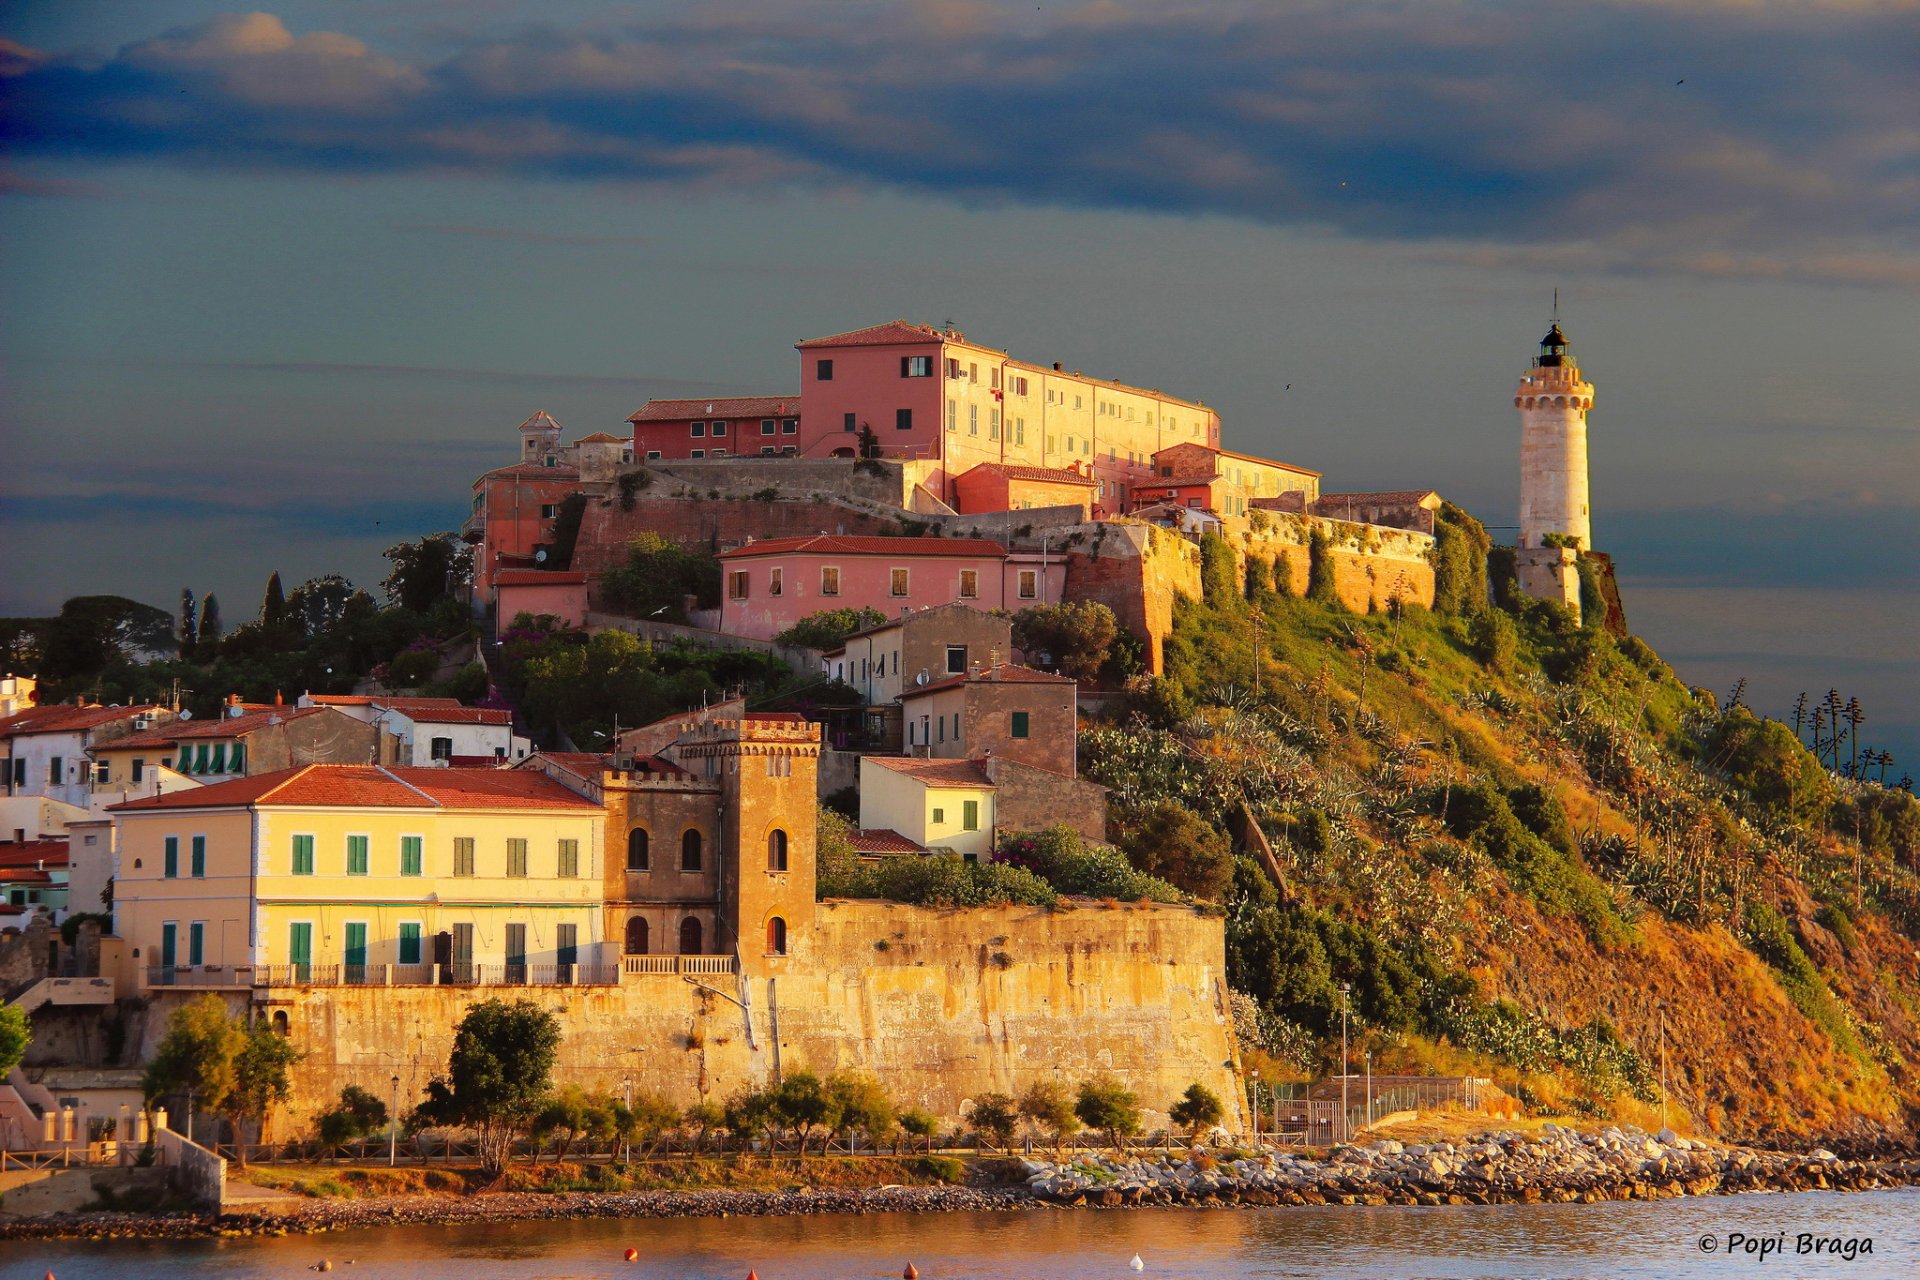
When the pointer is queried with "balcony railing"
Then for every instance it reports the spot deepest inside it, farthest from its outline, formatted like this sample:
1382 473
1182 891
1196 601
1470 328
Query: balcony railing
383 975
640 966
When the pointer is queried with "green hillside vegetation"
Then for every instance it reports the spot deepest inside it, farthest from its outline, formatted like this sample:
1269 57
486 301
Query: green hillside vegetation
1522 843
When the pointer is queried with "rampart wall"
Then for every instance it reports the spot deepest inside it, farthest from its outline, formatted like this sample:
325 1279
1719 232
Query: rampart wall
941 1006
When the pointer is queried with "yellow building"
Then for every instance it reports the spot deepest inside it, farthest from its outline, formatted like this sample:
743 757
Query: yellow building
363 874
933 803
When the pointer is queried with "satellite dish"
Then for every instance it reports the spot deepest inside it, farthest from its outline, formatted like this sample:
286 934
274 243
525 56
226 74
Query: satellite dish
921 678
186 715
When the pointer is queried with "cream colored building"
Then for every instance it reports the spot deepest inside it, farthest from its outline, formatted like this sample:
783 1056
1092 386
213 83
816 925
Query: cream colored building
933 803
362 874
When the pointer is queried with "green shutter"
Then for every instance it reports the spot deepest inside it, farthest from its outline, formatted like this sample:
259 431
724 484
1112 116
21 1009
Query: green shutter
409 855
1019 724
569 858
197 943
200 758
172 867
356 855
199 856
516 857
409 944
219 764
303 855
237 758
970 815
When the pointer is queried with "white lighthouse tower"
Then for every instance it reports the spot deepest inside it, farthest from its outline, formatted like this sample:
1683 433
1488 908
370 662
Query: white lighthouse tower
1555 515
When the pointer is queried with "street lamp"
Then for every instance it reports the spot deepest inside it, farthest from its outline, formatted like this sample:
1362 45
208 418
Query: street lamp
393 1124
1345 989
1369 1088
1256 1108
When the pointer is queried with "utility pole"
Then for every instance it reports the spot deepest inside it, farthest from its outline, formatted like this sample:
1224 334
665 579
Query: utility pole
1663 1070
1345 988
1256 1110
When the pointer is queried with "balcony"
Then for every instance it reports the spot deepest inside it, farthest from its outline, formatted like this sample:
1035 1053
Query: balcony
643 966
255 977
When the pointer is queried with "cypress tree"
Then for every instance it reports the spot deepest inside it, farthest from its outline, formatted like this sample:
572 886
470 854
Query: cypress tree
210 619
189 629
274 608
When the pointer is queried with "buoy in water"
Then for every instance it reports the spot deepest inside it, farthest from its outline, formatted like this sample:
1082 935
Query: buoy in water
633 1255
1136 1264
911 1273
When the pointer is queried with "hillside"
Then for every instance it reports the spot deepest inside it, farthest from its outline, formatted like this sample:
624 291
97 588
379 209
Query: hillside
1525 844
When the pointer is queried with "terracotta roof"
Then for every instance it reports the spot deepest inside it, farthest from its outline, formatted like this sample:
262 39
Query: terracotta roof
213 727
541 421
404 701
937 773
476 762
63 718
601 437
717 407
1244 457
362 786
31 853
25 875
339 700
1044 475
538 578
882 840
1004 673
530 471
892 333
450 715
839 544
1390 497
896 621
1172 482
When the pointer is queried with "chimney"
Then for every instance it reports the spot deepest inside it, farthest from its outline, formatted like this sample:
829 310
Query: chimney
278 701
233 699
1056 366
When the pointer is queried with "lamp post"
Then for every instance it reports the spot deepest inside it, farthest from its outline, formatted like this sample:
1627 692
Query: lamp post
393 1125
1256 1108
1345 988
1369 1088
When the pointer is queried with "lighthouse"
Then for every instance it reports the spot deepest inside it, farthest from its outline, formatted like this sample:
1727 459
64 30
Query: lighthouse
1556 521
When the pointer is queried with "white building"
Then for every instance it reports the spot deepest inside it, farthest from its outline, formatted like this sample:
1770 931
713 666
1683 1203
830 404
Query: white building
46 747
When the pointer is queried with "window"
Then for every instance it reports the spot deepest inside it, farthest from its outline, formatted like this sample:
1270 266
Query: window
200 761
789 426
102 774
1019 430
653 455
409 943
956 659
737 584
690 936
516 946
637 850
766 426
719 429
463 855
897 582
411 855
566 944
356 951
303 855
138 769
993 379
830 580
953 368
237 758
823 371
903 419
847 423
549 510
1020 724
697 453
956 726
953 409
300 945
939 816
569 859
973 419
441 749
636 936
776 937
993 424
916 366
775 579
198 867
690 850
169 944
1029 584
969 815
56 771
767 451
969 583
357 855
1019 386
776 850
197 943
517 857
697 429
463 951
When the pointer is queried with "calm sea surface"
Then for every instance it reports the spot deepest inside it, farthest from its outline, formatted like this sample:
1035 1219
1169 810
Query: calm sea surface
1559 1241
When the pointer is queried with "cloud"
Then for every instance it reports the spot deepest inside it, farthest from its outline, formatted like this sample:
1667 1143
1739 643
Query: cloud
529 237
1706 139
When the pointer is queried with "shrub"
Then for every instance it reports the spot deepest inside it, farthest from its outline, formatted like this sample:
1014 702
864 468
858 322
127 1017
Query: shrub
1766 760
358 1114
1322 587
1109 1106
1062 858
829 628
941 1169
1493 639
1459 557
1046 1107
1172 842
1198 1108
994 1117
1077 636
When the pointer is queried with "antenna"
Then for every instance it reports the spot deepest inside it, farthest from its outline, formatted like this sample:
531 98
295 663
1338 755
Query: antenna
1556 304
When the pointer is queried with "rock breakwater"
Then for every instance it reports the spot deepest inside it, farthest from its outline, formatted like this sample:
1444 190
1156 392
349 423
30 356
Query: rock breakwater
1556 1165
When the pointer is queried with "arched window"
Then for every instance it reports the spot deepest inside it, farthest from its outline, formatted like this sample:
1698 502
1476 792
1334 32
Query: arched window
690 936
690 850
637 850
281 1026
636 936
776 937
777 850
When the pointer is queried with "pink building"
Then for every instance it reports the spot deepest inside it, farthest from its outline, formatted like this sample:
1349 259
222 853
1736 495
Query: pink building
1221 481
1005 486
772 584
562 593
717 427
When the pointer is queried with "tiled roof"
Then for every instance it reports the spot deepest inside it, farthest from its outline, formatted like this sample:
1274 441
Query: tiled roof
62 718
1044 475
1390 497
213 727
339 700
24 875
530 471
892 333
541 421
1004 673
841 544
882 840
601 437
538 578
450 715
31 853
893 622
936 773
1244 457
1172 482
717 407
362 786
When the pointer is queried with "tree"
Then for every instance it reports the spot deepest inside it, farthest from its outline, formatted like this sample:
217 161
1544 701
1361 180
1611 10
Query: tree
497 1075
652 1117
829 628
1109 1106
15 1036
995 1117
863 1106
273 608
566 530
919 1126
428 570
803 1104
189 623
1075 636
1199 1108
1047 1108
318 604
211 628
1174 843
703 1118
576 1113
93 633
262 1077
1322 586
198 1056
657 579
358 1114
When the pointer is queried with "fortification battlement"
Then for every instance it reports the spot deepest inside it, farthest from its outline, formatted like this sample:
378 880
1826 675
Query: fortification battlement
638 780
795 732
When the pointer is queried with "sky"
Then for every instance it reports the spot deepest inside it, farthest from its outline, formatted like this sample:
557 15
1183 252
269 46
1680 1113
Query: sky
277 286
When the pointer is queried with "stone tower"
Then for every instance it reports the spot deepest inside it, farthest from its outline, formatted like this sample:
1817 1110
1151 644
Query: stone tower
1555 519
1553 403
539 439
766 767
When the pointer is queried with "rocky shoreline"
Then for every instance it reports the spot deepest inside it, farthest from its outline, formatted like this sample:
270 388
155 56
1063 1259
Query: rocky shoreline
1557 1165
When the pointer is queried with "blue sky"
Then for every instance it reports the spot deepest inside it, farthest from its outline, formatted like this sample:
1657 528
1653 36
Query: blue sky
280 284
